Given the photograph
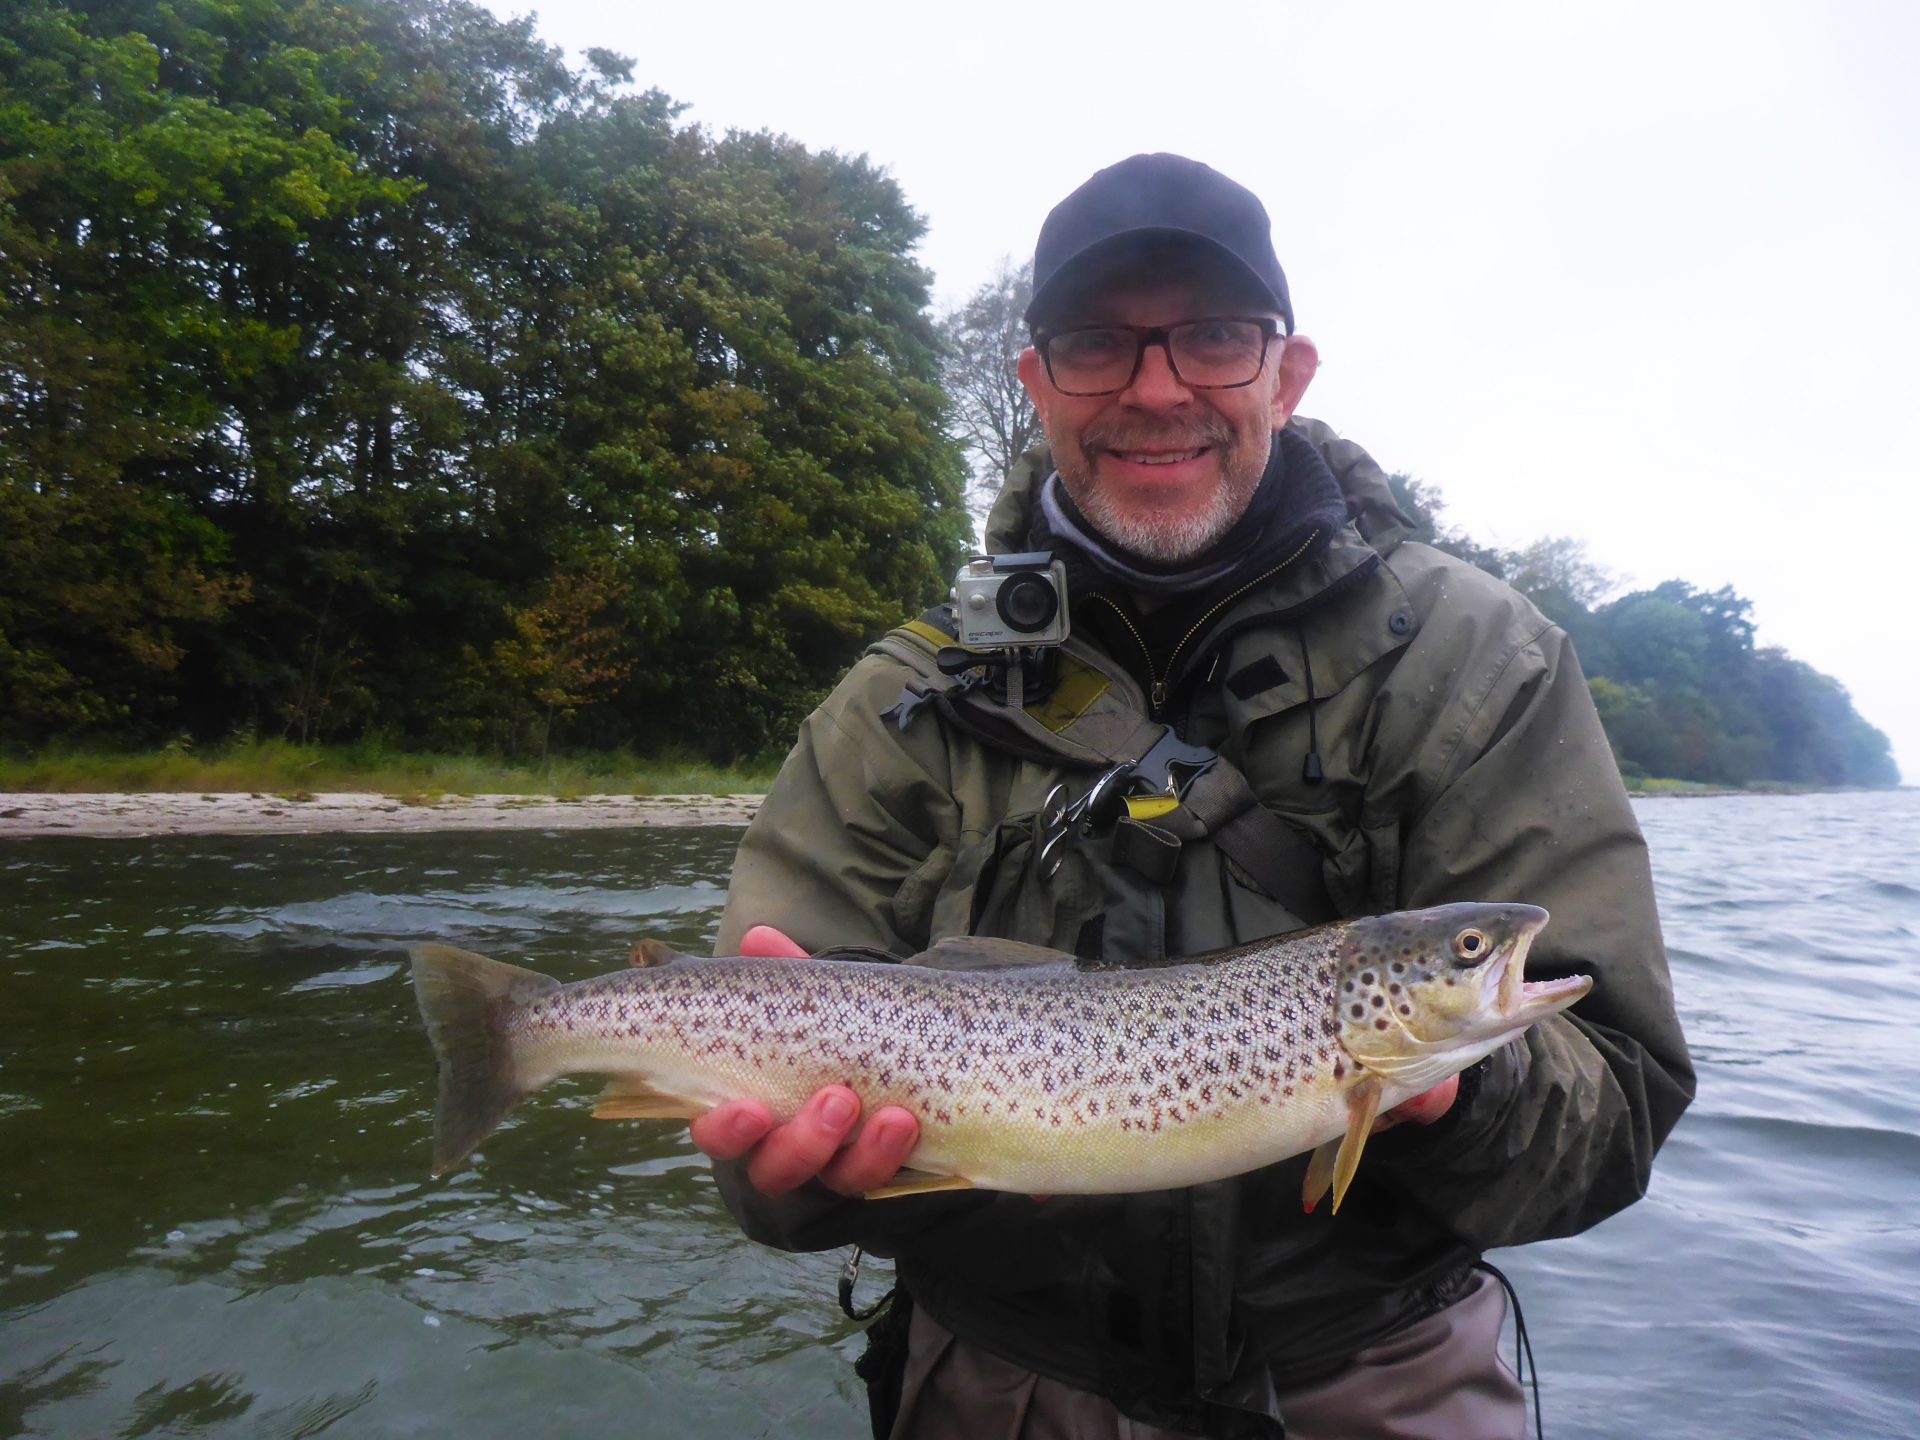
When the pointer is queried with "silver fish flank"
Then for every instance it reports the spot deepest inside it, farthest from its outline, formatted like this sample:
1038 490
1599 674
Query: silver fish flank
1026 1072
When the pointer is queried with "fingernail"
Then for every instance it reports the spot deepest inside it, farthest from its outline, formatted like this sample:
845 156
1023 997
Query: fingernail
837 1110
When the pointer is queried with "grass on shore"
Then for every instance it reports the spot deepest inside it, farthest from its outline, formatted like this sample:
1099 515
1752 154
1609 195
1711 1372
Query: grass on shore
276 767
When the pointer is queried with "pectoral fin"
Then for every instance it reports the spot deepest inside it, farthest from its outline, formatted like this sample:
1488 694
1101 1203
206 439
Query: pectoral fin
632 1097
918 1182
1363 1103
1319 1176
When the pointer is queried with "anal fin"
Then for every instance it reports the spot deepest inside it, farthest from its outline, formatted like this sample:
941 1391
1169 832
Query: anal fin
918 1182
634 1097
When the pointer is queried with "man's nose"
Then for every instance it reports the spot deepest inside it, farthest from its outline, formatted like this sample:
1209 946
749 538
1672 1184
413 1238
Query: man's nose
1155 385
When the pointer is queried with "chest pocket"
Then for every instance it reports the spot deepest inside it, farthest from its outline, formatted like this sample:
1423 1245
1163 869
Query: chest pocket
1138 893
996 888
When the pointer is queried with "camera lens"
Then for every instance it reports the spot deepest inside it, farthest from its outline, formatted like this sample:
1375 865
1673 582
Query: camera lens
1027 602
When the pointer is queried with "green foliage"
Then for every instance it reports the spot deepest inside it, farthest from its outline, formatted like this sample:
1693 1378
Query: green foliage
566 650
369 375
340 342
1680 687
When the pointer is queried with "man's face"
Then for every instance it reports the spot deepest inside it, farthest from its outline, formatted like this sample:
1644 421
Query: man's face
1160 468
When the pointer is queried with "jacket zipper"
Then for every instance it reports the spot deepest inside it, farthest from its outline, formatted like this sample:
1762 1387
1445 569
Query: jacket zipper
1157 687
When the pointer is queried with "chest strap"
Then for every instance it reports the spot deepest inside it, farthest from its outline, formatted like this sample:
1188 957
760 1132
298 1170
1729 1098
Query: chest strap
1085 722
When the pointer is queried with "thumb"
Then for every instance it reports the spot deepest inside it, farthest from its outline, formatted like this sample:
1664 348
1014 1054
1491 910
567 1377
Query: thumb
767 942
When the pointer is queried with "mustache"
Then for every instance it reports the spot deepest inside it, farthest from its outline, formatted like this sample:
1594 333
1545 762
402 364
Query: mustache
1135 435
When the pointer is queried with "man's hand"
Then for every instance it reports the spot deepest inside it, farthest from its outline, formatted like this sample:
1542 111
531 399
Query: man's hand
1424 1108
814 1144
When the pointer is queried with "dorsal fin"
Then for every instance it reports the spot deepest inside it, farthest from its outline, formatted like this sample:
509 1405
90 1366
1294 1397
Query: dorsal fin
986 952
648 953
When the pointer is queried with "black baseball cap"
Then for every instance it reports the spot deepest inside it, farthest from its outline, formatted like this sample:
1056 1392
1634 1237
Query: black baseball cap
1165 197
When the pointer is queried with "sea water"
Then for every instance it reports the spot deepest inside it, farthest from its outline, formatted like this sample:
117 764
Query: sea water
215 1101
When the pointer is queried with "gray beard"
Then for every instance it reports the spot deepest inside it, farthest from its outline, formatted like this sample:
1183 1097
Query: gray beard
1163 539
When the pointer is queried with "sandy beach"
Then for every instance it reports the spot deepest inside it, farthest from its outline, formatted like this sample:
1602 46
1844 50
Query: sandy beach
126 816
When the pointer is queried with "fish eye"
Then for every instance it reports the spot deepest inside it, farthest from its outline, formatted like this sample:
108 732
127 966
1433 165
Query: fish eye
1471 944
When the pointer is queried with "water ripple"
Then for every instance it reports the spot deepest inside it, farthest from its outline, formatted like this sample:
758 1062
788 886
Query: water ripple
230 1022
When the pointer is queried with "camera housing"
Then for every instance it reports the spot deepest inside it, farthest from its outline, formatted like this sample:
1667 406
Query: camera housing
1009 601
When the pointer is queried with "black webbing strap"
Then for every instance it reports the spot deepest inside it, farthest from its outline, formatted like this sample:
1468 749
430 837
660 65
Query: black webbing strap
1278 858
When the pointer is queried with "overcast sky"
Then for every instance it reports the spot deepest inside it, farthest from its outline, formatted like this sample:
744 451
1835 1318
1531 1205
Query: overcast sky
1643 274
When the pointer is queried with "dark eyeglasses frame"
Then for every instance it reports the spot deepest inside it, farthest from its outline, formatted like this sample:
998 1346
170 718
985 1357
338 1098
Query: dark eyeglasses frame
1145 335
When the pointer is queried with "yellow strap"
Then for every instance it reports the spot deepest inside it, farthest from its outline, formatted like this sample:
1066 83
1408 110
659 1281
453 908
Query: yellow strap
933 635
1075 688
1151 807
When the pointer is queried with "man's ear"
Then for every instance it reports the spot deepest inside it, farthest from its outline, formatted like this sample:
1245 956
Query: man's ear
1299 359
1033 375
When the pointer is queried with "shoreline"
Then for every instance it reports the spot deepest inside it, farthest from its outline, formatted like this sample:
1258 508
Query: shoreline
111 815
135 815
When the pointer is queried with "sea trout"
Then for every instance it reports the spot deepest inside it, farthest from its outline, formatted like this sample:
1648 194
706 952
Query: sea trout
1027 1073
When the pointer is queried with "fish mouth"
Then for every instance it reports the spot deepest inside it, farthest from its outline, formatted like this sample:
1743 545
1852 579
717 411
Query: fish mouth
1516 997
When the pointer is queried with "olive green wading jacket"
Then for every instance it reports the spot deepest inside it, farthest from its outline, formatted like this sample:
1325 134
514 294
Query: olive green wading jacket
1462 760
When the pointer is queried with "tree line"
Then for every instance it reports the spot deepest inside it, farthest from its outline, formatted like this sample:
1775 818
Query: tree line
367 369
1681 687
363 365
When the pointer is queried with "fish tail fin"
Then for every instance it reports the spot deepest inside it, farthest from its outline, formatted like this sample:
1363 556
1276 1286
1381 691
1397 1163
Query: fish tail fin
462 997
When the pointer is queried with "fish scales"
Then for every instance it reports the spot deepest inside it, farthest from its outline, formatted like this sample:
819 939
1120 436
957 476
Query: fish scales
1062 1069
1024 1076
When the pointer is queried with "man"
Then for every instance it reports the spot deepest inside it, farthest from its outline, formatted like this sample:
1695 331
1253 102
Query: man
1392 728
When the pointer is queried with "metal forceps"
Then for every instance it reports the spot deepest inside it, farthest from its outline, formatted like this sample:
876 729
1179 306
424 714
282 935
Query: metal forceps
1061 818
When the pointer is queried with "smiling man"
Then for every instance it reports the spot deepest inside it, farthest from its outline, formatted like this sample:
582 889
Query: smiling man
1350 722
1160 397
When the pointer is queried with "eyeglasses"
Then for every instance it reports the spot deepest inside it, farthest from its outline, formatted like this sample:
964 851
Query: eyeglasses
1213 354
